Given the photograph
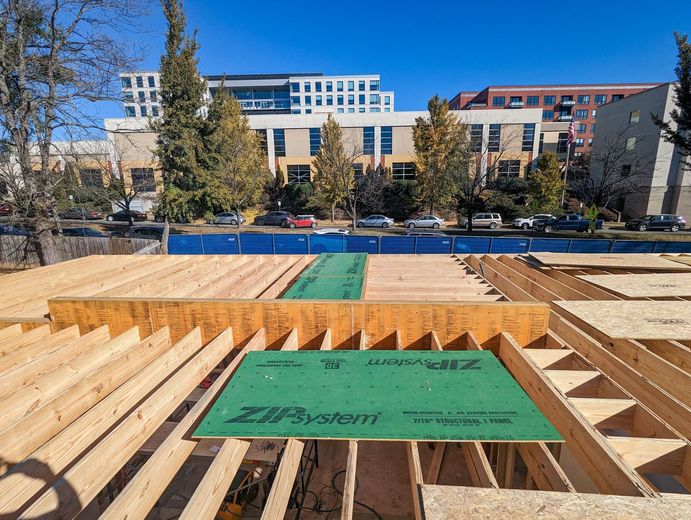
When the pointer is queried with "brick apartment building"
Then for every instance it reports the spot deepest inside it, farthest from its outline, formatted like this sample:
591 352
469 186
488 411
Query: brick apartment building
559 103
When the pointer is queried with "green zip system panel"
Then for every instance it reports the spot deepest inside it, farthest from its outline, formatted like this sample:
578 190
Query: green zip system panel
385 395
332 276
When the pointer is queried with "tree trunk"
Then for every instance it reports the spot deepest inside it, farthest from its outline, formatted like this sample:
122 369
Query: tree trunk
470 220
333 213
164 238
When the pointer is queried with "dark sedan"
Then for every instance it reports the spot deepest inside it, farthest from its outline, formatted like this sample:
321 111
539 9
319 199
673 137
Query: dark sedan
274 218
82 232
81 214
122 216
657 223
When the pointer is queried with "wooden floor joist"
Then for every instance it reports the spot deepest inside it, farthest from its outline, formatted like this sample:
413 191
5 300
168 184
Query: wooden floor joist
349 482
276 502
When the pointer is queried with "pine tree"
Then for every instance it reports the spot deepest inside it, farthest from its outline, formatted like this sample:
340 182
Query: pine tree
546 185
681 116
236 172
436 138
181 129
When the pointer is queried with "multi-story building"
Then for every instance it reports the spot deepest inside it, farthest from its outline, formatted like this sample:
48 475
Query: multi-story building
559 103
299 93
662 178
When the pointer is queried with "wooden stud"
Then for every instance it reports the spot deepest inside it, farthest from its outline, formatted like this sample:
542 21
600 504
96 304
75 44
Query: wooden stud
478 466
326 340
291 342
349 483
416 478
12 356
543 467
435 465
510 465
277 501
10 332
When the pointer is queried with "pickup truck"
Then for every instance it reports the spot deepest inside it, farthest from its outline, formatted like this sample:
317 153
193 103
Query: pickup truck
566 223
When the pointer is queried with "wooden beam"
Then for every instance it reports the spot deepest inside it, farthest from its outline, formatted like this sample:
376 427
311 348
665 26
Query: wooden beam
507 287
10 332
277 501
416 478
544 468
143 491
12 344
478 466
280 285
362 340
326 340
12 357
435 465
349 483
209 495
435 344
291 342
510 465
599 460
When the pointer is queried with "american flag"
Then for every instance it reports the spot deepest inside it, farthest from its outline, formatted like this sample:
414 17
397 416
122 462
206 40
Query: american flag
572 133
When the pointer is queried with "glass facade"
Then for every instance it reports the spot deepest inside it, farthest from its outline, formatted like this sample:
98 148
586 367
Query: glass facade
494 140
279 142
368 140
298 173
315 140
532 101
476 137
528 137
403 171
386 140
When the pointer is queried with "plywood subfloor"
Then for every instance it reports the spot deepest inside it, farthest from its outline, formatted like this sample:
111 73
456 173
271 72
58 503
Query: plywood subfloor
635 319
644 285
471 503
625 261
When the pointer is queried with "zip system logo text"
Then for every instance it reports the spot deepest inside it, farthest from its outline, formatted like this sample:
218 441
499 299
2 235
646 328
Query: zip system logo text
298 415
444 364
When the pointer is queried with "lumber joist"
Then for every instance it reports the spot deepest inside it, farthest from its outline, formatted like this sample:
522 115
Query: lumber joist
277 501
349 483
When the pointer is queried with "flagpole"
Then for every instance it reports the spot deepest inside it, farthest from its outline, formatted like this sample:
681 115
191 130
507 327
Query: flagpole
566 172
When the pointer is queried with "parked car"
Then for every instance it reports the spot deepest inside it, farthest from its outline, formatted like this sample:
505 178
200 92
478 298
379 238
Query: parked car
81 214
301 221
6 209
332 231
657 223
11 230
152 232
488 220
82 232
273 218
121 216
425 221
375 221
415 233
571 222
228 217
529 222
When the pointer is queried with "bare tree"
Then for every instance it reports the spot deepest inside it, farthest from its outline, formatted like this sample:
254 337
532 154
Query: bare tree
56 58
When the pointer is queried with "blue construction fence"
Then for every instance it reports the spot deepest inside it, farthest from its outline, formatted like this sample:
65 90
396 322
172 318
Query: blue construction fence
303 244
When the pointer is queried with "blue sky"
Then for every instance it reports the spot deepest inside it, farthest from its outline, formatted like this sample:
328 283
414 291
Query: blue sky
428 48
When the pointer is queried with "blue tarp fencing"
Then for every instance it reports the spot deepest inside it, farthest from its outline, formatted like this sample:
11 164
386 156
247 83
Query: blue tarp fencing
303 244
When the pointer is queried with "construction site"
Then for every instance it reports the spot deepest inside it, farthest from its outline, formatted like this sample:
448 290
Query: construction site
438 387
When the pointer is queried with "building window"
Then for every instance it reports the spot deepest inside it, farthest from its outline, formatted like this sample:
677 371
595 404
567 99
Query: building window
140 82
374 84
351 110
528 137
329 86
548 115
329 99
584 99
317 86
152 81
357 170
308 86
582 113
361 110
532 101
339 86
592 129
296 111
91 178
315 140
308 111
561 142
387 109
130 112
295 100
298 173
494 138
630 144
617 97
625 170
143 179
339 99
154 110
361 99
476 137
374 99
295 87
550 100
601 99
542 143
387 100
351 86
590 142
279 142
594 113
339 111
375 109
582 128
361 85
580 141
403 171
368 140
308 100
143 111
351 99
515 99
141 96
126 82
498 101
129 96
566 98
386 140
509 168
318 101
634 117
153 96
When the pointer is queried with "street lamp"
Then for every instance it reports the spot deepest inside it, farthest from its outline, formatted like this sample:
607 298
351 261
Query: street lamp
279 205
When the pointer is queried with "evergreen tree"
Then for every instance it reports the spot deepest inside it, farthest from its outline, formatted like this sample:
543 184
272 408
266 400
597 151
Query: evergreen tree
436 138
236 171
181 129
680 133
546 185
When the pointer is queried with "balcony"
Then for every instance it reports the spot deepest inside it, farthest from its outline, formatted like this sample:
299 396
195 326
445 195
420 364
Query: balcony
565 117
516 104
567 103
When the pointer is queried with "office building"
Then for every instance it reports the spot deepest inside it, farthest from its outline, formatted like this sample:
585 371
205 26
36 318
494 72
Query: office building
299 93
559 103
663 182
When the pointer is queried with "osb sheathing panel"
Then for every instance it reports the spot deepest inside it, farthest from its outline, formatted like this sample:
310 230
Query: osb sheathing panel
469 503
635 319
644 285
623 260
380 320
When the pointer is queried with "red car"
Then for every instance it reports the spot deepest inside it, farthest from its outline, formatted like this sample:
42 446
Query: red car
301 221
6 209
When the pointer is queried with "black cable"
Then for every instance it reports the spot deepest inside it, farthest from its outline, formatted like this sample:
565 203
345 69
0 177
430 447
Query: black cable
333 484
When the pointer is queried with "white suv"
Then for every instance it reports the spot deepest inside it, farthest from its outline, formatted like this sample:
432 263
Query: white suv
528 222
488 220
